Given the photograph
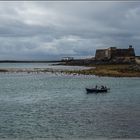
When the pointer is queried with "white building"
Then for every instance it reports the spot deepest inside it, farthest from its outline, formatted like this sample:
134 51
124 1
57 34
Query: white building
67 58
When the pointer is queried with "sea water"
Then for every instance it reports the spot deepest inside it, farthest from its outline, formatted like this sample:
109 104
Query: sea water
40 65
57 106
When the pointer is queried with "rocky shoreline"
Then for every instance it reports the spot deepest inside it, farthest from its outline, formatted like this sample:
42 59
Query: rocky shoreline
27 70
112 71
98 70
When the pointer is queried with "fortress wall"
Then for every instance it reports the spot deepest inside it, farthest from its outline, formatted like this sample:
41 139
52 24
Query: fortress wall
101 54
113 54
122 53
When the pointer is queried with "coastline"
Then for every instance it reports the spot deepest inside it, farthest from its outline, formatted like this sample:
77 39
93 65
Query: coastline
27 70
114 70
97 70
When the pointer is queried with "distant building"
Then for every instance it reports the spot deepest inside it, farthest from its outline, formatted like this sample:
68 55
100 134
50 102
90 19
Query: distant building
67 58
114 53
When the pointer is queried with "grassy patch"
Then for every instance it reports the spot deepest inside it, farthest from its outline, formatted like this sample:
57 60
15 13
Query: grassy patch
110 70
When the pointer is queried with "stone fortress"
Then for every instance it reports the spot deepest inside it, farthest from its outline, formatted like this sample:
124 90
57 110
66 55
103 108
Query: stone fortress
112 55
116 55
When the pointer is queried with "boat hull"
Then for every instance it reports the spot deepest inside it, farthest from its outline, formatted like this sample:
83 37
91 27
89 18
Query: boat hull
93 90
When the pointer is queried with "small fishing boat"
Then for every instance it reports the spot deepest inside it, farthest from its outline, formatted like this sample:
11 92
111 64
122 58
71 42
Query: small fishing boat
97 90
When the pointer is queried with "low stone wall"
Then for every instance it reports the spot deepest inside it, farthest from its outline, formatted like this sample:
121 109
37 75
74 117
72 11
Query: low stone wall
79 62
88 62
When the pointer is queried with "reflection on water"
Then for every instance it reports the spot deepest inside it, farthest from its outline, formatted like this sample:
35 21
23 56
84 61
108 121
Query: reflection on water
51 106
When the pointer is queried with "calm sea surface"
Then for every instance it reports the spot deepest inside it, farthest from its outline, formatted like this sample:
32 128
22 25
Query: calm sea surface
40 65
57 106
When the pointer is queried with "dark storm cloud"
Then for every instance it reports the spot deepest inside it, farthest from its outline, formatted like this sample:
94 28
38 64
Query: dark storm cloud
49 30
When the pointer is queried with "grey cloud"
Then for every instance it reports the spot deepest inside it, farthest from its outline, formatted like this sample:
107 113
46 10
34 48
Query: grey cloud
49 30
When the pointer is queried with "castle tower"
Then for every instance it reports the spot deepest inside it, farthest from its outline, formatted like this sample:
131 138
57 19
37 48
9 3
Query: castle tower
131 50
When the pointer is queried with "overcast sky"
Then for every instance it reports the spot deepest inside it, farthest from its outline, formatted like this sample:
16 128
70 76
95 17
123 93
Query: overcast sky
51 30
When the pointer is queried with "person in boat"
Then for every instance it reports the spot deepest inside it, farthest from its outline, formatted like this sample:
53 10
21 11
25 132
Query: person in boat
102 87
96 87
